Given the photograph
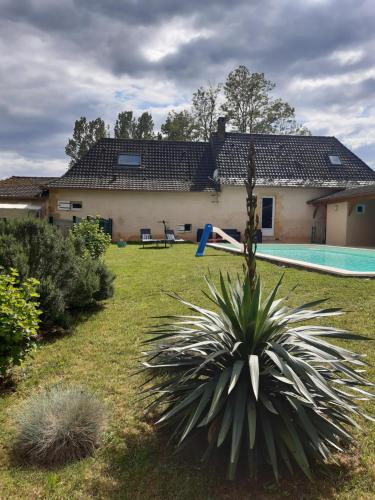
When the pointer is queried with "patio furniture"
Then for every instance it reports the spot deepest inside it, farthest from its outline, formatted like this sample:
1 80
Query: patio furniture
146 238
171 237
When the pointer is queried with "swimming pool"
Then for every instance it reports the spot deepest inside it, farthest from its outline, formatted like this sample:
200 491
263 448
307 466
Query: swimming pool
333 259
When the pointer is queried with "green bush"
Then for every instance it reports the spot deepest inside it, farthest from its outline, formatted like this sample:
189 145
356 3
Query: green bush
19 318
67 279
59 426
93 240
258 383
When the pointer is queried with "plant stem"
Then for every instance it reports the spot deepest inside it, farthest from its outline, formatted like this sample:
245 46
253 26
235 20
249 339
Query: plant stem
252 219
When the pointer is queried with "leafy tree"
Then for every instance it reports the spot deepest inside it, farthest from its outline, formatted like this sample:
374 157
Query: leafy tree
85 135
128 127
282 121
179 126
250 107
125 125
144 128
205 110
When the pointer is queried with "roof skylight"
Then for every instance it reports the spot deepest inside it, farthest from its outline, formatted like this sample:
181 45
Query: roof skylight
335 160
129 160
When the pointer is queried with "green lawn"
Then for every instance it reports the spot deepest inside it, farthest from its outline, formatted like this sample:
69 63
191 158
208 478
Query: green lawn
134 460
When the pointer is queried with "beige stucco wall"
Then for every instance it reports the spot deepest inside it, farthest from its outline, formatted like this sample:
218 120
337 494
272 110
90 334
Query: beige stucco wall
347 228
337 223
9 213
361 227
131 211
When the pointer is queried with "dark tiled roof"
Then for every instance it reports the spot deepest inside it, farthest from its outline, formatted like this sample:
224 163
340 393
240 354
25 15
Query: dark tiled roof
190 166
285 160
347 194
24 187
165 166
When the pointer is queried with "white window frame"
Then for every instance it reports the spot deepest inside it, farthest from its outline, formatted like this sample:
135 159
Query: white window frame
63 205
66 206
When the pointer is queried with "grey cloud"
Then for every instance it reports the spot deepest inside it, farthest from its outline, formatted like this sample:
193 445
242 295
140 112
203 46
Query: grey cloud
41 92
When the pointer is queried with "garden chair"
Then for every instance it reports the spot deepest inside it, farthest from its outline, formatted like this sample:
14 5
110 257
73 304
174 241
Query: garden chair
146 237
171 237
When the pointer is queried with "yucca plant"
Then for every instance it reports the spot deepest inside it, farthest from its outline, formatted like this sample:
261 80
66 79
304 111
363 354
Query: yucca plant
248 373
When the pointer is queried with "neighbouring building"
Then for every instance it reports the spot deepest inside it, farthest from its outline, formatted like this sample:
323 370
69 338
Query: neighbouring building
350 216
140 183
24 196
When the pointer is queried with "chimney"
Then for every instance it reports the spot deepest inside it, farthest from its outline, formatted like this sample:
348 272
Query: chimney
221 127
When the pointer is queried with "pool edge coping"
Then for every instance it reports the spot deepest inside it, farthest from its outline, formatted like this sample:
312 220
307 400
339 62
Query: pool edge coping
299 264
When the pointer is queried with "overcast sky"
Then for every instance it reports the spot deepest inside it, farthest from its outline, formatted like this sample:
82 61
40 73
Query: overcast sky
61 59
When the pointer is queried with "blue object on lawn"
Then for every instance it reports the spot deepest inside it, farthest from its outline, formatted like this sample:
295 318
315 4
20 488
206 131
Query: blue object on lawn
204 238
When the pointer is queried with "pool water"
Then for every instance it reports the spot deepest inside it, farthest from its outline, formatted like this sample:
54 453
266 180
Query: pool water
348 259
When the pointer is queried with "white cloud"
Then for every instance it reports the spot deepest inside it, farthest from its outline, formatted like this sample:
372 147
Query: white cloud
12 163
346 57
167 38
350 78
354 129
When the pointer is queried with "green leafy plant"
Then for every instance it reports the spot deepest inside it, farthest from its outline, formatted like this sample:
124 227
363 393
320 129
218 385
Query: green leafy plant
67 280
59 426
252 377
94 241
272 391
19 318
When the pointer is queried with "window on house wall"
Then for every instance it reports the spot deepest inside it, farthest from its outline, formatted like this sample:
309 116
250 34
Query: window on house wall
76 205
184 228
63 205
360 209
69 205
335 160
129 160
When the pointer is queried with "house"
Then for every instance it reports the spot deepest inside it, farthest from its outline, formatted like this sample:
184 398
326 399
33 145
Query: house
140 183
350 216
24 196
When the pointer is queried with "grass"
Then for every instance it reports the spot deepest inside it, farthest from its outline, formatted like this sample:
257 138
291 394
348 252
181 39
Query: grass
135 460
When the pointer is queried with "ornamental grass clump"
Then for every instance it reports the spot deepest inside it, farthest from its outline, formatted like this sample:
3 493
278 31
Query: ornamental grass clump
58 426
259 383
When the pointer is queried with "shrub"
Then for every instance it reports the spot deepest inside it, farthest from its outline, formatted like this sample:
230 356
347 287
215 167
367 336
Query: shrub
19 318
106 279
94 241
67 280
59 426
274 392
